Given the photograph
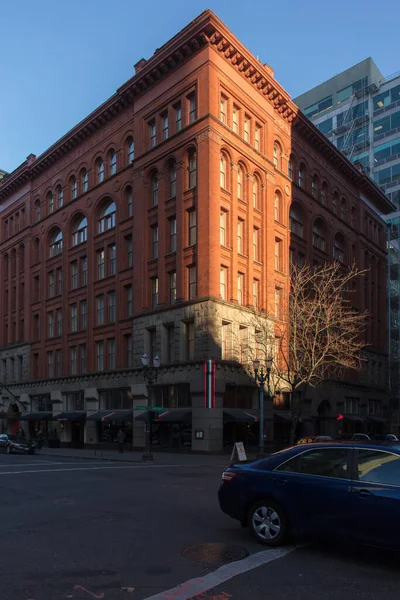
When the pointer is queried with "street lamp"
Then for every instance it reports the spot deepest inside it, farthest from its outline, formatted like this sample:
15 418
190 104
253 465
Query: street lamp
261 378
150 374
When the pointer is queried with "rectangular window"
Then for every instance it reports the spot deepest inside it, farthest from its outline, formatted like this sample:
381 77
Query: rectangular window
223 109
178 117
100 310
278 303
129 200
129 300
83 314
74 275
83 357
172 287
51 285
192 282
165 126
50 324
256 287
154 292
224 340
235 119
192 107
73 355
100 356
190 341
128 350
112 259
36 328
246 129
84 270
243 344
172 234
112 307
36 288
59 321
222 228
257 137
111 354
170 343
192 167
50 364
192 227
129 251
240 239
240 287
152 133
278 255
74 317
154 236
223 282
256 249
100 264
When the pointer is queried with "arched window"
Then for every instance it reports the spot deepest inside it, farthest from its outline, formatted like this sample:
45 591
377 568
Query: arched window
192 168
335 201
291 167
338 247
60 196
353 216
256 192
240 177
100 170
36 250
79 231
129 200
73 186
324 193
154 189
13 261
277 155
112 162
222 172
301 176
319 235
107 217
296 220
343 209
315 186
172 180
37 210
50 202
84 180
130 148
22 257
55 242
278 206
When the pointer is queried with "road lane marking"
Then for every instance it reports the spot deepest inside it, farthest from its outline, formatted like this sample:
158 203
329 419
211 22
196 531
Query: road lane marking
199 585
104 467
40 463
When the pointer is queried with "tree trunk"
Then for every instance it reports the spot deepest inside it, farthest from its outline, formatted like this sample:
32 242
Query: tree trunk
298 396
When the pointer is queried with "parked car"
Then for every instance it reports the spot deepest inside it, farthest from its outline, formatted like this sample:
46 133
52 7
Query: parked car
11 445
388 438
314 439
350 491
353 437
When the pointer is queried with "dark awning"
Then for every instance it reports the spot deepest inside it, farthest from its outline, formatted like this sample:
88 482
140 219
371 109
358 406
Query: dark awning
73 415
283 415
38 416
175 416
376 419
232 415
106 416
352 419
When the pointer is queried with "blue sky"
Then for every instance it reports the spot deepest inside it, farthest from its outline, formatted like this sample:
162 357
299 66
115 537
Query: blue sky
60 59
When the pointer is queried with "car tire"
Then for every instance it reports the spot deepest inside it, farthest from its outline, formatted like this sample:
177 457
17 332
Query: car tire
268 523
8 450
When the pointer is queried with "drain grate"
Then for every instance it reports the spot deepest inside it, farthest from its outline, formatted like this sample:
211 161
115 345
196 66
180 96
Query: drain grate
215 553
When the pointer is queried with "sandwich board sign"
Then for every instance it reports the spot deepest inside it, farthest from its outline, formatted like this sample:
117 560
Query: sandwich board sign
238 451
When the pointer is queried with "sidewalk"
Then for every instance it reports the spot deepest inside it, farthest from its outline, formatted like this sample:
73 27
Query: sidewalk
160 458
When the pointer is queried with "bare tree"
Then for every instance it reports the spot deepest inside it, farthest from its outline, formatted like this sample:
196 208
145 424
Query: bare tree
318 335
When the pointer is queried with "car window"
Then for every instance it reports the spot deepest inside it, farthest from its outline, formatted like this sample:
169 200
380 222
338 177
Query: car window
329 462
375 466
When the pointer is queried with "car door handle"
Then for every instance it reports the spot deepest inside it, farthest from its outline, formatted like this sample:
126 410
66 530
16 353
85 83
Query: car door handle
364 493
279 480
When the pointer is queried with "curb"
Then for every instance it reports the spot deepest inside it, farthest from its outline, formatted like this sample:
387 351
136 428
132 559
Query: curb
88 457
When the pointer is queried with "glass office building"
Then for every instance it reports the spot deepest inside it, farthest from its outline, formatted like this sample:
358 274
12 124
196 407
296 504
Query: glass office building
359 111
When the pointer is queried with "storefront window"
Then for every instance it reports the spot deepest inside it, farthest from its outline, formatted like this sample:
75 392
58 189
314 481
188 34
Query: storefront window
41 403
74 401
118 399
173 396
238 397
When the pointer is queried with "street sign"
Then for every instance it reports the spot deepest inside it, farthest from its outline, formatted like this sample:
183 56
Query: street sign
141 407
158 408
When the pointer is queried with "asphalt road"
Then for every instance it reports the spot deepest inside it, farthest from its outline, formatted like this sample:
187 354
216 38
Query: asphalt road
88 529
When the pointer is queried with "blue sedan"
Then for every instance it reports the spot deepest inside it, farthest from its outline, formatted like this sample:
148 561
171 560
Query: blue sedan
350 491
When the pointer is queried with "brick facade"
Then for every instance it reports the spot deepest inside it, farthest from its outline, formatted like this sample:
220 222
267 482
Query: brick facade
168 213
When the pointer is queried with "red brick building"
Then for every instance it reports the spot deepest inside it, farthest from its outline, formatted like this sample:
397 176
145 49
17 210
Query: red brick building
155 225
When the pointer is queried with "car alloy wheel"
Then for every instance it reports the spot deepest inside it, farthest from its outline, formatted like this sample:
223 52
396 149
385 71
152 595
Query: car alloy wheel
268 523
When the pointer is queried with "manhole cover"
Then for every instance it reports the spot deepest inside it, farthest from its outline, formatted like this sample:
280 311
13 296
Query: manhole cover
215 553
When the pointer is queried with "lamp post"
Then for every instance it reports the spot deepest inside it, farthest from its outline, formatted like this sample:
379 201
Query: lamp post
262 377
150 374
